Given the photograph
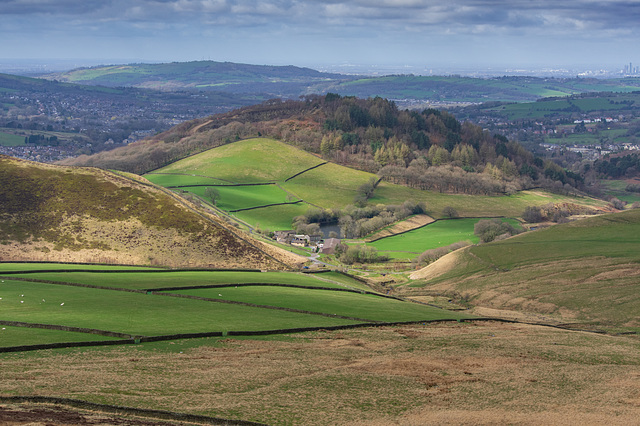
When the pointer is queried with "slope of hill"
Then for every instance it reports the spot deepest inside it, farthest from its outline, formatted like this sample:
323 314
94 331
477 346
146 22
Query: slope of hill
453 89
202 75
87 215
291 81
584 272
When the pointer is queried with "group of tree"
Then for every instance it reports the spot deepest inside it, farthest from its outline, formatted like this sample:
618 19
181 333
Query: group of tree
555 212
355 221
617 167
488 230
427 149
350 254
41 140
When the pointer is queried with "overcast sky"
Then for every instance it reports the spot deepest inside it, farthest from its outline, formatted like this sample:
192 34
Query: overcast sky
424 33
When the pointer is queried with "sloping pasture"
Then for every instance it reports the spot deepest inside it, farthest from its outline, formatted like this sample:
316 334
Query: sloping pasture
137 304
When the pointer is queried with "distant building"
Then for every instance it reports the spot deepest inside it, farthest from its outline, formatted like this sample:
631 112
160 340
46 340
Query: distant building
329 245
284 237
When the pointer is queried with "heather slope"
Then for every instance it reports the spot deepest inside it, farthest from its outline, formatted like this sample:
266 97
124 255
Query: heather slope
87 215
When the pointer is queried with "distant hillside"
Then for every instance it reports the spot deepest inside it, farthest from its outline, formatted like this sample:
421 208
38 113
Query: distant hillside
291 82
569 108
202 75
427 149
585 272
454 89
58 213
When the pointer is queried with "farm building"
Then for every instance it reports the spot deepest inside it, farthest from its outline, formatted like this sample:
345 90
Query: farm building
330 245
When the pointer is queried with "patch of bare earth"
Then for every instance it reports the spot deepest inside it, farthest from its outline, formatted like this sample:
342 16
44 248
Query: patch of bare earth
412 223
460 373
49 415
437 268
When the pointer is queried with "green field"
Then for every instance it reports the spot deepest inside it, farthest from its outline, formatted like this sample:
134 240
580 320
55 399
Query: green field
140 314
587 270
8 139
329 185
23 336
155 280
168 180
326 186
607 103
617 188
438 234
249 161
273 218
243 197
115 309
370 307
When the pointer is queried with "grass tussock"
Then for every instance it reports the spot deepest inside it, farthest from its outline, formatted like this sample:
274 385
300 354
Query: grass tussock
436 374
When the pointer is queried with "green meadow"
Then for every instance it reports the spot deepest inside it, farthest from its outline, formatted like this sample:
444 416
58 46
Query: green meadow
365 306
8 139
75 301
249 161
23 336
437 234
168 278
617 188
273 218
140 314
327 186
243 197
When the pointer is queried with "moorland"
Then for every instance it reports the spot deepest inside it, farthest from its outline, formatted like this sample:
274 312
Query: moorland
173 299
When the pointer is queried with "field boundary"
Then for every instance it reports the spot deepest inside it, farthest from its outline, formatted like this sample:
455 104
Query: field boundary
435 221
266 205
221 185
188 174
67 328
111 271
119 410
306 170
150 339
168 337
255 305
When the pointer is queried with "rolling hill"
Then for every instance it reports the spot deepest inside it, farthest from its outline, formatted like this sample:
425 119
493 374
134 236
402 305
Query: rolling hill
231 77
584 272
267 183
73 214
291 82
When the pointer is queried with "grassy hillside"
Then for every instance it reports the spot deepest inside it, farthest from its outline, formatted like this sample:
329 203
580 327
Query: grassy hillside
438 234
585 271
467 89
72 214
154 302
250 161
201 75
324 185
566 107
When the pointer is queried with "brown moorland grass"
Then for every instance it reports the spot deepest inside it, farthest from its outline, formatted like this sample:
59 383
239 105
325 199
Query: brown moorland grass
57 213
462 373
585 272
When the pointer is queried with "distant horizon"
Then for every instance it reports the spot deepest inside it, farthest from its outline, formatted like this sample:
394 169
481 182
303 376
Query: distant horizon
35 66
